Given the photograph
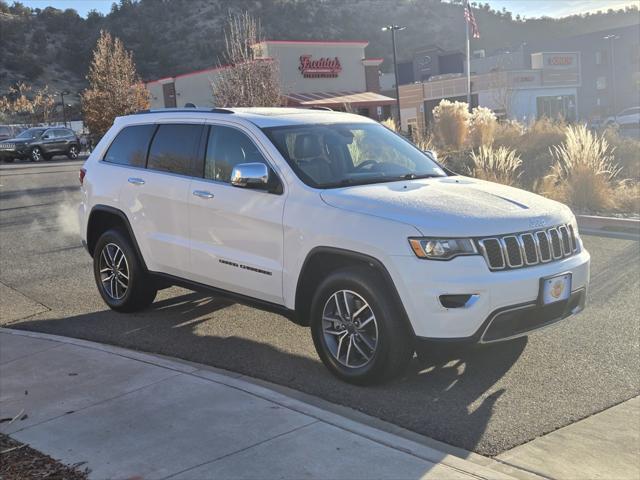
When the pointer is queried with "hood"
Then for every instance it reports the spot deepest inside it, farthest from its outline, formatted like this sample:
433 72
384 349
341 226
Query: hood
452 206
15 140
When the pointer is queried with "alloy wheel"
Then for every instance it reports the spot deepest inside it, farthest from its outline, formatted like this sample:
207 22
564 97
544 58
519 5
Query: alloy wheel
350 329
36 155
73 152
114 271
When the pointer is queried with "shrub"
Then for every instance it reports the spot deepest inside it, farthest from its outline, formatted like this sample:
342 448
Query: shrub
390 123
533 143
627 197
483 124
500 165
451 123
584 171
626 151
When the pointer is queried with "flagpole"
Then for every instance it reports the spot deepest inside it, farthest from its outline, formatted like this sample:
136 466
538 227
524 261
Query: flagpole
466 29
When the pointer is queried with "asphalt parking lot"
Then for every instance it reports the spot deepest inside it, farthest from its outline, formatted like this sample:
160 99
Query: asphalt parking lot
486 400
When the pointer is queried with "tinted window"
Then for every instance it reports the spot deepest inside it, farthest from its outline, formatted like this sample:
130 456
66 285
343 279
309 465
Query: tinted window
61 133
174 148
130 146
226 148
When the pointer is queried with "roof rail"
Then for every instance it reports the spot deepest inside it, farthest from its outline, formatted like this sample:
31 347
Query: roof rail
187 110
326 109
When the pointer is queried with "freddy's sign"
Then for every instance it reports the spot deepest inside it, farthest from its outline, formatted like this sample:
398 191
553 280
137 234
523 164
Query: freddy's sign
324 67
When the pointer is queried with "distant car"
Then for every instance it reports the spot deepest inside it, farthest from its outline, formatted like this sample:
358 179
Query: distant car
41 143
7 132
628 118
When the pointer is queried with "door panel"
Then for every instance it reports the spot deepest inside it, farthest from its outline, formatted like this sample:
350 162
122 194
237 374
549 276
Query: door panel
236 233
157 206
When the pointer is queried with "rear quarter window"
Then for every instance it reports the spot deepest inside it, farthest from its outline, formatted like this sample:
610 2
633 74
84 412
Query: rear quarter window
130 146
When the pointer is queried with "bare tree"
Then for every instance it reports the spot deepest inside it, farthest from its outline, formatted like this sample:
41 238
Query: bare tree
114 86
247 79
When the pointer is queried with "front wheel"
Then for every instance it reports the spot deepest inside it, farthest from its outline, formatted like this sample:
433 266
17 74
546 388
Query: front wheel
36 154
121 279
357 328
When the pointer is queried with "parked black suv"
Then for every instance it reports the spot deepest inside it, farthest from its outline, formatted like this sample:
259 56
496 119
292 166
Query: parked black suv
40 143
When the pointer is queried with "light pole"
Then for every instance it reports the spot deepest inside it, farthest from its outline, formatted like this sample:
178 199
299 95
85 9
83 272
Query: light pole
64 113
393 29
614 100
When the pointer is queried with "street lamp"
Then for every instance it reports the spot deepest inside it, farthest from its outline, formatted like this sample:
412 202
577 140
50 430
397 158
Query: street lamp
64 113
614 100
393 29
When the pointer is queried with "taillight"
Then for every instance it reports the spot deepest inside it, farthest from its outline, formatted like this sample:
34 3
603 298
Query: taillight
83 172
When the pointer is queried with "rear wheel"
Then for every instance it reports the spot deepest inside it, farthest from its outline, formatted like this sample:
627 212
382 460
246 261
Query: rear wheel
122 281
357 329
73 152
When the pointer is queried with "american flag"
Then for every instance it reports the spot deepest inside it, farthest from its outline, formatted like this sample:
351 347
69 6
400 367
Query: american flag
471 20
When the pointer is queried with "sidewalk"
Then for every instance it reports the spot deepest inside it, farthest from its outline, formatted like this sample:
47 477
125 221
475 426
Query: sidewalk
134 415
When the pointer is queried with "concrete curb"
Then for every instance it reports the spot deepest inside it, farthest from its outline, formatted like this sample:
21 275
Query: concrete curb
465 461
625 228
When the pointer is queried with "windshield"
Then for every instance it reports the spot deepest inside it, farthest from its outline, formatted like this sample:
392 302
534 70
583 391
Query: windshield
31 133
341 154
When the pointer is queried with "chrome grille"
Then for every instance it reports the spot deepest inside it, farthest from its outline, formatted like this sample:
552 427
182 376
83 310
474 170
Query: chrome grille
528 248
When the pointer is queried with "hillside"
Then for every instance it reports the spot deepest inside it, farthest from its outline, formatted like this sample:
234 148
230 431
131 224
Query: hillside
167 37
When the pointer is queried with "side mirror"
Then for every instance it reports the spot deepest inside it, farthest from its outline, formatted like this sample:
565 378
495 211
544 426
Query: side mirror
47 136
250 175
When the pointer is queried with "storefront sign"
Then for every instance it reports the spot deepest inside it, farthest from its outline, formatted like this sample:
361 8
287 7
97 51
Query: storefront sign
560 60
324 67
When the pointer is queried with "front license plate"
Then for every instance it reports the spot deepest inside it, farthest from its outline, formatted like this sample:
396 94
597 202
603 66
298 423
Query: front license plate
555 289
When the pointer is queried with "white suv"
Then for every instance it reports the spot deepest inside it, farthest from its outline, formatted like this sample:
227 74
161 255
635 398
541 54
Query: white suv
331 220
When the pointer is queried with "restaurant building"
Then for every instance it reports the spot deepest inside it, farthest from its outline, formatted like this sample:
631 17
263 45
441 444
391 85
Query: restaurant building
333 74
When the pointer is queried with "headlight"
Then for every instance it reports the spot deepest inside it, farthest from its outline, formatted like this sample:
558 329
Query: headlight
442 248
574 225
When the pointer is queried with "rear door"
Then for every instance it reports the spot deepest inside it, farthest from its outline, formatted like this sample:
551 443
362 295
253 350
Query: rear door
156 199
236 233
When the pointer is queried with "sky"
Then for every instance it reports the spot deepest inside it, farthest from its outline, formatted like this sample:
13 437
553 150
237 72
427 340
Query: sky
526 8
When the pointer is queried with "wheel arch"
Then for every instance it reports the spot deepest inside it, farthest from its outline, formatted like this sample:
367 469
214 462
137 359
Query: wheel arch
320 261
104 217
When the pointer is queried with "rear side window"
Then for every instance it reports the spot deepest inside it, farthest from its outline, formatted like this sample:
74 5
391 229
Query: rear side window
174 148
130 146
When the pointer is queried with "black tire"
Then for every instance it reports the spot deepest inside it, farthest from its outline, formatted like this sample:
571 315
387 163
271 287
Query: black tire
394 347
73 152
36 154
140 289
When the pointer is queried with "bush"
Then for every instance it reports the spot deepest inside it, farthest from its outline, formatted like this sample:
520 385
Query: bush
451 123
534 144
483 124
500 165
626 152
583 173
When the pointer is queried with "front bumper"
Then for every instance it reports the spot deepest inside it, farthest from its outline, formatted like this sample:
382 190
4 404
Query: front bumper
16 152
505 303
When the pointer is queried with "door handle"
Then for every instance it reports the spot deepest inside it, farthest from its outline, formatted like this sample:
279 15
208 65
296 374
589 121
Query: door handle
203 194
135 181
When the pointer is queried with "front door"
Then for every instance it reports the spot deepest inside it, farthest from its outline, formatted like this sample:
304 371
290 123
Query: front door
236 233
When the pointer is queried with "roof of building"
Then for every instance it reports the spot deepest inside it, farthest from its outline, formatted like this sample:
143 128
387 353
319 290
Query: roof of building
339 98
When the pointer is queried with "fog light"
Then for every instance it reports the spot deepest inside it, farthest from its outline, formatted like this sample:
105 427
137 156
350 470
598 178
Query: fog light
458 301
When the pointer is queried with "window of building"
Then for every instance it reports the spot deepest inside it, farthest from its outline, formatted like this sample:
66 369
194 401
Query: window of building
601 57
226 148
601 83
130 146
174 148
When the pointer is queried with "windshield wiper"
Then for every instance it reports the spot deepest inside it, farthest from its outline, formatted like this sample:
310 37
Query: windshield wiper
413 176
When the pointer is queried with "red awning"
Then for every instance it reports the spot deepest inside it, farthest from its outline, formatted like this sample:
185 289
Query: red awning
339 98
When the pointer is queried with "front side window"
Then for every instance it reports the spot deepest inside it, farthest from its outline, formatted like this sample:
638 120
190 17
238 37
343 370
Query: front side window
130 146
174 148
32 133
334 155
226 148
